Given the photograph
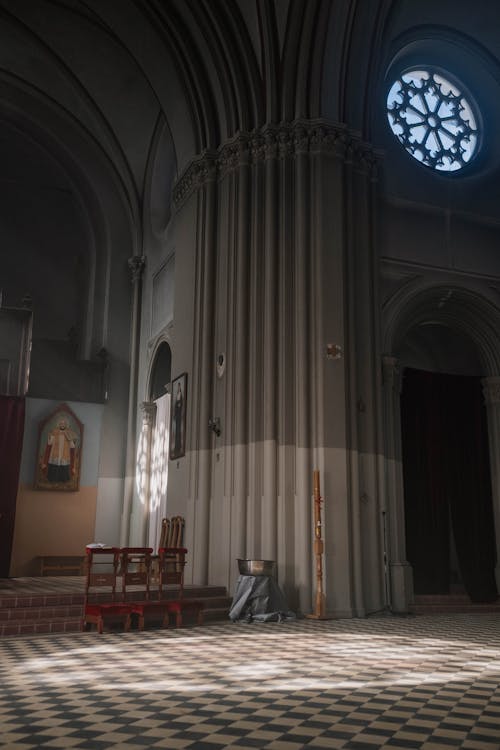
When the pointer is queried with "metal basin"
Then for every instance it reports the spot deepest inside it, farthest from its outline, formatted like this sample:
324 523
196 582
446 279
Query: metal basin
256 567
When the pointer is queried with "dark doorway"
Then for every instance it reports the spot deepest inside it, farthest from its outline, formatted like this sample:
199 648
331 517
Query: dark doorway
447 485
161 374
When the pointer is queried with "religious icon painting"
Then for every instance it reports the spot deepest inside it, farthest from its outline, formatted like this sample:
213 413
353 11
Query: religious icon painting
59 451
178 417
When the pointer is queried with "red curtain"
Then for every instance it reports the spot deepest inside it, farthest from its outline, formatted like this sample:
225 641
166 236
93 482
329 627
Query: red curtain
11 444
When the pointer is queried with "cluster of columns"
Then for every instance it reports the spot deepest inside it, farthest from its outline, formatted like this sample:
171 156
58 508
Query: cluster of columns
284 265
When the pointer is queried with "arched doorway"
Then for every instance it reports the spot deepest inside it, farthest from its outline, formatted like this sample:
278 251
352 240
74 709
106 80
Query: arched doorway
442 421
449 525
156 421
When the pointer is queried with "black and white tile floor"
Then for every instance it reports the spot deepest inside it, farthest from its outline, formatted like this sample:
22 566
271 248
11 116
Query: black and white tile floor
409 682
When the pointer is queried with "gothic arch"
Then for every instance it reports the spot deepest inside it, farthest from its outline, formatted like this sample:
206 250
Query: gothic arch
474 314
57 133
461 308
160 363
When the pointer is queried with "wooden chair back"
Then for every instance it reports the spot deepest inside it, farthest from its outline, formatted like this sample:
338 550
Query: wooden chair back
172 532
102 566
172 561
136 570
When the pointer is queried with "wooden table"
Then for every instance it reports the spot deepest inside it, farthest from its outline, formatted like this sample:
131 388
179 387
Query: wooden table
61 565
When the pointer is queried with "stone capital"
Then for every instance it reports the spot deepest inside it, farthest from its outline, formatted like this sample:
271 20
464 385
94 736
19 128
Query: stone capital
391 372
136 266
148 409
491 390
283 141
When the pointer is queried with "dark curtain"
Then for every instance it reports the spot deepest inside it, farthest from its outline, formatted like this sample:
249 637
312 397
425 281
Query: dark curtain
426 508
11 443
447 483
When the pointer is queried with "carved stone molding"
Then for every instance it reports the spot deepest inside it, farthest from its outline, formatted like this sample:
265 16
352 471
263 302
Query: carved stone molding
200 171
391 372
136 265
148 409
491 390
283 141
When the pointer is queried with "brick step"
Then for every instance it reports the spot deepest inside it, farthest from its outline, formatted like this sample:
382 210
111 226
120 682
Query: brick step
72 624
34 627
66 611
62 613
65 599
172 592
40 600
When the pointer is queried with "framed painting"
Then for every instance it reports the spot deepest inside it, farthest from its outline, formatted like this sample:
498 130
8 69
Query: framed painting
59 451
178 417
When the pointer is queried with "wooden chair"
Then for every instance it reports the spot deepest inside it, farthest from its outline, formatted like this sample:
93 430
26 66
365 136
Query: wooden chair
171 535
136 570
102 601
175 533
166 573
172 561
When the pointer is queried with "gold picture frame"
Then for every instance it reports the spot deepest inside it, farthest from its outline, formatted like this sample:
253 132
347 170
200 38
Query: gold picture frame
59 451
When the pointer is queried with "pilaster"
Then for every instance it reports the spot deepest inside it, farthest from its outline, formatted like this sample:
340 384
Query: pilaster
399 571
136 267
491 392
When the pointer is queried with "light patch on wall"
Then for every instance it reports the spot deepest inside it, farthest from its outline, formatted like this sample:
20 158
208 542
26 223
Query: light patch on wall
159 455
141 468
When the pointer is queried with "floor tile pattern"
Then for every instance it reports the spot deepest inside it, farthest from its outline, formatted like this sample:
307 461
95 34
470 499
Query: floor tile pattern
391 682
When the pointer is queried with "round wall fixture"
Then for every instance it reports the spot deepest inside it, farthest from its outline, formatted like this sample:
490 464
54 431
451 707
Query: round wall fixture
433 120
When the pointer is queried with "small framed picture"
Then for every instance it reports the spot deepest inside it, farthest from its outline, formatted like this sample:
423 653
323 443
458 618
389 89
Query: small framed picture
178 417
59 451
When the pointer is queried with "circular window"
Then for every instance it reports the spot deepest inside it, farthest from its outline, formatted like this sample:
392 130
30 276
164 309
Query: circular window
433 120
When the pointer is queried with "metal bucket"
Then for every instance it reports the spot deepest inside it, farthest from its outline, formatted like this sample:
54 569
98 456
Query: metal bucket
256 567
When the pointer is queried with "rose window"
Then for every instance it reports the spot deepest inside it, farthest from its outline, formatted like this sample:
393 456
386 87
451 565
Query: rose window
433 120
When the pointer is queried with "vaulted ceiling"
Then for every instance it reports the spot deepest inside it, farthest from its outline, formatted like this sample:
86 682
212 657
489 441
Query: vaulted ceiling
104 102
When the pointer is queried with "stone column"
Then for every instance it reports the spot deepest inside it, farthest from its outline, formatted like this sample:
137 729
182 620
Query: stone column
136 266
302 395
202 374
269 523
491 391
399 571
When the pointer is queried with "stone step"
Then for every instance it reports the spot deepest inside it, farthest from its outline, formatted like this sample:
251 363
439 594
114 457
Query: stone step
451 603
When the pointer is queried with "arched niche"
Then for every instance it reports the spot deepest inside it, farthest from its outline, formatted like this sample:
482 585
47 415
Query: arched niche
161 371
418 321
152 455
161 174
99 216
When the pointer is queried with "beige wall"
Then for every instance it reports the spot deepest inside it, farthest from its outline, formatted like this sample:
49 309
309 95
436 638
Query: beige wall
51 523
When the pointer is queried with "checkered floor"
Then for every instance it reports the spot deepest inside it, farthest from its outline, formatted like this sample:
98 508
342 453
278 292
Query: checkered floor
407 682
